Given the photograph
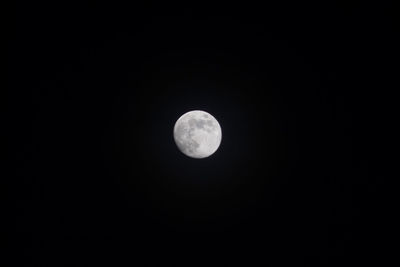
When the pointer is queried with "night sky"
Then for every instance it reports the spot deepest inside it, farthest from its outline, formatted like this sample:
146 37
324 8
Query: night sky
299 89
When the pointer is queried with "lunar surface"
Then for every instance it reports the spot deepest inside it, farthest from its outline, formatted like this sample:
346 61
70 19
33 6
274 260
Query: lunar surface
197 134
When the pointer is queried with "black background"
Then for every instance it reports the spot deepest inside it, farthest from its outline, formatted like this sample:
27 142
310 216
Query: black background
299 89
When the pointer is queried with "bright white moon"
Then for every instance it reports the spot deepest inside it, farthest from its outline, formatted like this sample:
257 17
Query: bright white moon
197 134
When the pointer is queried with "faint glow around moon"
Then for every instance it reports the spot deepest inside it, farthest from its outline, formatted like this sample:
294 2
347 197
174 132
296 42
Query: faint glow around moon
197 134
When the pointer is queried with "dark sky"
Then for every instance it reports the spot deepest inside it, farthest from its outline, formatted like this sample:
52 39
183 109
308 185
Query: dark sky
299 89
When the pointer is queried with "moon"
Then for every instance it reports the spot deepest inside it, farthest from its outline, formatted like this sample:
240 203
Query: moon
197 134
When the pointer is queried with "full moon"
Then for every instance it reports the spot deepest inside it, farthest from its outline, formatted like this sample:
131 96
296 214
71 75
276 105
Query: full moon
197 134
